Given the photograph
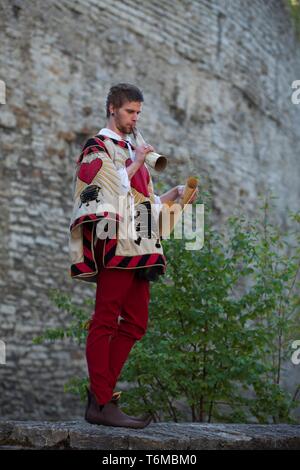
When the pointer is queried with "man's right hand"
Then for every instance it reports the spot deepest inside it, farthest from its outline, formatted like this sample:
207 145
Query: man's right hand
140 155
141 152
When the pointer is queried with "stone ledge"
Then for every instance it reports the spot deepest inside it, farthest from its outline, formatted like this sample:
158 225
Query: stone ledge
170 436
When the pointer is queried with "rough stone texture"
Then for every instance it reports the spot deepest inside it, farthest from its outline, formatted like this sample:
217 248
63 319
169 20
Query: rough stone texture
216 76
183 436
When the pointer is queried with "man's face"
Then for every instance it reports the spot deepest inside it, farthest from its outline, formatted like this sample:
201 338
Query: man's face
127 116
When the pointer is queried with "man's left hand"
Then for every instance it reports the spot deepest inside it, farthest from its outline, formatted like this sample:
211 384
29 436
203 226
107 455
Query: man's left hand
180 191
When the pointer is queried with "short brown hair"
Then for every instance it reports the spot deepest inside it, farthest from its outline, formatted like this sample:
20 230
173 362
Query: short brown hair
120 93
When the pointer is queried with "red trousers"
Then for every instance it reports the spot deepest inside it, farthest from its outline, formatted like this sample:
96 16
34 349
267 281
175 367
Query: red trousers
120 319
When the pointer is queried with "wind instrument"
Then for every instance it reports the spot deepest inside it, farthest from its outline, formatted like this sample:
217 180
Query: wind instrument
154 160
171 211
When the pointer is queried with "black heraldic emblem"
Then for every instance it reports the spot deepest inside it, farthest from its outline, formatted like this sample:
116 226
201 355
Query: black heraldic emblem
146 223
90 193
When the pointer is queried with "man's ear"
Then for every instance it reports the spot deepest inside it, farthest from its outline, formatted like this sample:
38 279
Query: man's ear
111 109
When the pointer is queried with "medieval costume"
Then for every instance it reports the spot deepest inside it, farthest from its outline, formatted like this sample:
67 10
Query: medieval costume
101 178
113 260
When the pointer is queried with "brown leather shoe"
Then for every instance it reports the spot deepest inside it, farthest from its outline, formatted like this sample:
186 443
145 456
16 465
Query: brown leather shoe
116 398
110 415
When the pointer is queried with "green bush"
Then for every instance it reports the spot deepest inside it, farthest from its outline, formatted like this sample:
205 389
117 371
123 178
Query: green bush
220 329
294 6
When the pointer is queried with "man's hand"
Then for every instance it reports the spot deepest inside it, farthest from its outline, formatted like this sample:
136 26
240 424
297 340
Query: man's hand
180 192
141 152
140 155
176 193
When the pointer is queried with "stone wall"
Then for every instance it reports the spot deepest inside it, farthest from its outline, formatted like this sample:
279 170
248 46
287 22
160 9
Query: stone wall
216 77
17 435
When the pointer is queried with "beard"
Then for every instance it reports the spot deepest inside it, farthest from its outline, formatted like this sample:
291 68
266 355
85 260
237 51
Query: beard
125 129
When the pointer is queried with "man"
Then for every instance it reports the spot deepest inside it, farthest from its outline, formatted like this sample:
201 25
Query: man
110 169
